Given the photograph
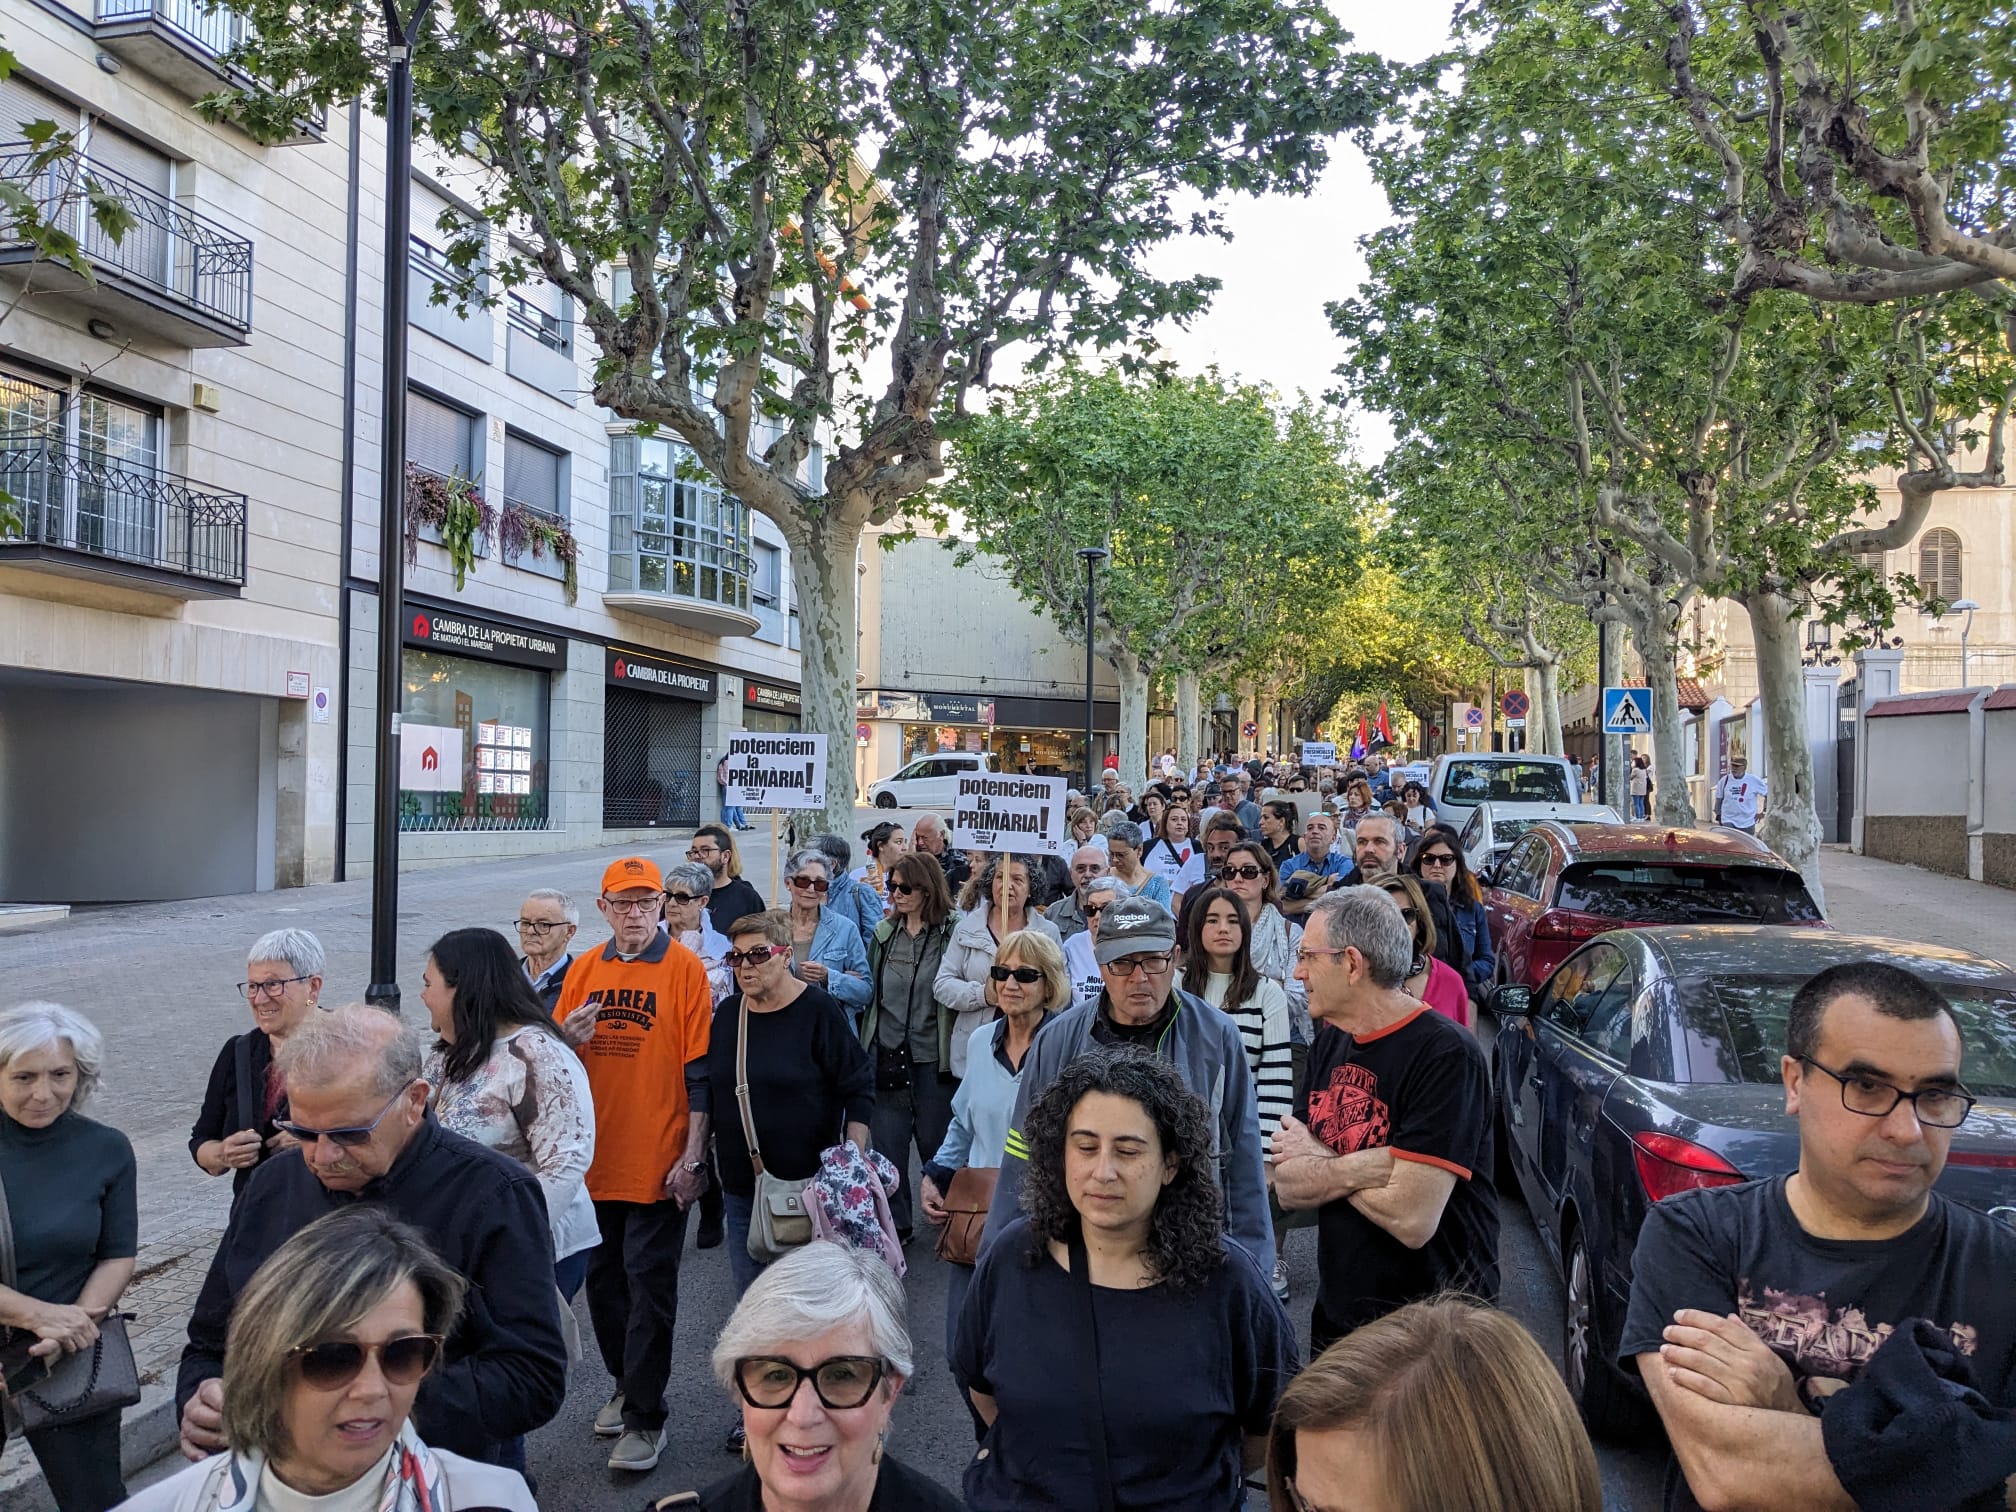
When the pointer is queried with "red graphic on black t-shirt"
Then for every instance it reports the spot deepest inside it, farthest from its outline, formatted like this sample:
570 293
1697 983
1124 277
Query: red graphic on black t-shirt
1348 1114
1827 1347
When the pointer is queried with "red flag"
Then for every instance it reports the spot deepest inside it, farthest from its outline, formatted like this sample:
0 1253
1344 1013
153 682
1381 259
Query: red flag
1385 730
1364 735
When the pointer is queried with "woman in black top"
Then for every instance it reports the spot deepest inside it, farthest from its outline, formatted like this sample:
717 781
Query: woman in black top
808 1077
235 1129
816 1353
73 1205
1120 1294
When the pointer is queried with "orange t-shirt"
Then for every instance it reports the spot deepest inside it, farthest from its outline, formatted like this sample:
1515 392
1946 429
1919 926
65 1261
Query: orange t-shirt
656 1012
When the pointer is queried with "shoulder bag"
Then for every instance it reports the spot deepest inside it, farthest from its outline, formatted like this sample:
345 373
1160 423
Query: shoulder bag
779 1221
1095 1414
72 1387
967 1200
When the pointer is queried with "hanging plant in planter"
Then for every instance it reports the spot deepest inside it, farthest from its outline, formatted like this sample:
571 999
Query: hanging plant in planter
521 530
457 510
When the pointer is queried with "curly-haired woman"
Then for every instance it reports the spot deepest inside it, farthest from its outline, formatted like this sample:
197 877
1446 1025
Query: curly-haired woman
1119 1290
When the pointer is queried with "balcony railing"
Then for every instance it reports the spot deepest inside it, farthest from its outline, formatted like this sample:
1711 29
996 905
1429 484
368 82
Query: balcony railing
544 327
97 506
215 31
172 253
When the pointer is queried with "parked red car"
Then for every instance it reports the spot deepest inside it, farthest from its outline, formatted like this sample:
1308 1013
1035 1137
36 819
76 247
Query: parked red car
1566 883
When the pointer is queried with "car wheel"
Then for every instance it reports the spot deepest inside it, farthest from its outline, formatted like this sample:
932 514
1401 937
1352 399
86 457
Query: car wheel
1610 1401
885 799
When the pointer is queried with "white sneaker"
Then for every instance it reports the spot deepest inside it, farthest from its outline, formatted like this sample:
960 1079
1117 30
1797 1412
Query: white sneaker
637 1451
1281 1279
609 1421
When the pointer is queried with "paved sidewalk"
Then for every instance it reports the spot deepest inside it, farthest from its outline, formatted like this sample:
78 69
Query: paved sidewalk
160 979
1866 896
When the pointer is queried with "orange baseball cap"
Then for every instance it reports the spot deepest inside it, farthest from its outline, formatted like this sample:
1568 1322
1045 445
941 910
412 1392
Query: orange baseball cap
632 872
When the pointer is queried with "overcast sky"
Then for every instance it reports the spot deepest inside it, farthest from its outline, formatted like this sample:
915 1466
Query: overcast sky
1289 256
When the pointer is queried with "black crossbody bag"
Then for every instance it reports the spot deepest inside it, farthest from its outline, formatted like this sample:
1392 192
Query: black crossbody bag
1095 1415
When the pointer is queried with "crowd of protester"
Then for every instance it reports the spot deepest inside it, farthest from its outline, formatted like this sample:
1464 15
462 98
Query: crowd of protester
1126 1077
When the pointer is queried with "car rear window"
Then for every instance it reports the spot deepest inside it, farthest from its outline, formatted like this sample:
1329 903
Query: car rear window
1505 831
1660 893
1506 782
1754 1010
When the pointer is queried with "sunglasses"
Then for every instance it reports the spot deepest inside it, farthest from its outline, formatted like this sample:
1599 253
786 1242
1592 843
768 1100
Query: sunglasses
685 898
1438 858
350 1138
754 957
1023 974
843 1382
1248 873
817 884
334 1365
904 889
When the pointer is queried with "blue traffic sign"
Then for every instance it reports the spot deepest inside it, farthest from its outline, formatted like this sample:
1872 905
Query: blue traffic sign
1627 711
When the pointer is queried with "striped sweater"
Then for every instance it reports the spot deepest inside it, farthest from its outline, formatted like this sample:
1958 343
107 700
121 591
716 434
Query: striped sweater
1263 1030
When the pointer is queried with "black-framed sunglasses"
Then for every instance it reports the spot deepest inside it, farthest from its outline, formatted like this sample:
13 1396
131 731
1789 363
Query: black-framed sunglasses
1437 858
335 1364
843 1382
904 889
1247 873
684 898
816 884
350 1137
752 958
252 990
1023 974
1935 1107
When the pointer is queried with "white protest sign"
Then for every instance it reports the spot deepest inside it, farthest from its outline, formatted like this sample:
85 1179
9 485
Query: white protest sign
1316 753
776 771
1021 815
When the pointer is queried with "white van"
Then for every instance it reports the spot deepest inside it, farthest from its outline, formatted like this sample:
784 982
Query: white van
929 781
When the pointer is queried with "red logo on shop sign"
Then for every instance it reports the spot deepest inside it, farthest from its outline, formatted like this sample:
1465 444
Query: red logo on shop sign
421 629
430 760
622 669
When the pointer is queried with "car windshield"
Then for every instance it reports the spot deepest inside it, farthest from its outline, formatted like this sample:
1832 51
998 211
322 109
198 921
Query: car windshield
1505 831
1661 893
1754 1009
1506 782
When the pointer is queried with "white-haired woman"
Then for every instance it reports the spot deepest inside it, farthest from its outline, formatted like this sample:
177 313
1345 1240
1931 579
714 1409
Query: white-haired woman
329 1343
235 1129
72 1201
817 1352
826 948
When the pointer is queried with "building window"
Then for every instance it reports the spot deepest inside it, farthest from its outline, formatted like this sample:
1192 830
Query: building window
1939 565
501 713
767 586
532 477
440 437
671 529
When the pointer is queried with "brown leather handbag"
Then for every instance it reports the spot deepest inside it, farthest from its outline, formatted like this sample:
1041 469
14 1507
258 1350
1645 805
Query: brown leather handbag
966 1203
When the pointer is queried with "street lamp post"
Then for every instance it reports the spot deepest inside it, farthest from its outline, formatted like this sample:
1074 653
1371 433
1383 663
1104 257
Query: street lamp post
1967 629
400 29
1092 556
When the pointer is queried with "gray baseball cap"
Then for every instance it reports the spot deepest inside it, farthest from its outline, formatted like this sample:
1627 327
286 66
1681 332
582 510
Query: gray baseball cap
1134 926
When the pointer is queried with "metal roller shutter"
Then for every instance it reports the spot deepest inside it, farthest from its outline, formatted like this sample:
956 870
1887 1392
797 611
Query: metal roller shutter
21 102
439 437
650 761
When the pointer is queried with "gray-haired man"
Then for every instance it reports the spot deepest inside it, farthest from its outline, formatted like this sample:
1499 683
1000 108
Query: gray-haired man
1391 1137
547 923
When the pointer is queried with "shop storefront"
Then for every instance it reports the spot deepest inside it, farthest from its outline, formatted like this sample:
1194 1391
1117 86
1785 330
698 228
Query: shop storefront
475 721
770 708
1042 736
652 769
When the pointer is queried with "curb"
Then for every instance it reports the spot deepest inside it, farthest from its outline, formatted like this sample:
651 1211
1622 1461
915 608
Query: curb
146 1434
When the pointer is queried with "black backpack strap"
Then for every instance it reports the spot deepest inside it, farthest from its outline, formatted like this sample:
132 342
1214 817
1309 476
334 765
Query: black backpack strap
251 1095
1095 1415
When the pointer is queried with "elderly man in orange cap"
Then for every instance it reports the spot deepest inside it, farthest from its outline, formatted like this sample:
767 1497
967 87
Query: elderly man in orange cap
638 1009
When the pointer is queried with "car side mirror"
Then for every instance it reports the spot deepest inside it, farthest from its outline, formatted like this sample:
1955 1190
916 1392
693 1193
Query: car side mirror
1510 1001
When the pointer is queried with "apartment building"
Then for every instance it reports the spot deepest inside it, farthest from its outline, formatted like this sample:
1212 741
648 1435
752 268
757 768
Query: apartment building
188 640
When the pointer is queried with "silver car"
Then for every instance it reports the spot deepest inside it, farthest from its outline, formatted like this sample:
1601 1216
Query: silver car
1494 828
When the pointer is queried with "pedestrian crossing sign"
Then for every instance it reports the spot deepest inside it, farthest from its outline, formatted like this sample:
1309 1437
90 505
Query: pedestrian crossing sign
1627 711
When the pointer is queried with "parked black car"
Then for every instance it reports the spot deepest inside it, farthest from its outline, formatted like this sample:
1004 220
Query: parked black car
1648 1063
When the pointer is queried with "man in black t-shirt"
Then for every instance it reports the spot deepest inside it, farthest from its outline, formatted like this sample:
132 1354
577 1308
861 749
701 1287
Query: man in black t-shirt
1391 1138
1753 1307
734 897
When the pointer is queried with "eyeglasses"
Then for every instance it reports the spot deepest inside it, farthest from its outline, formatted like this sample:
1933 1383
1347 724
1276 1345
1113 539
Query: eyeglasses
1247 873
632 905
1023 974
1438 858
349 1138
697 854
1128 966
840 1383
1934 1107
334 1365
1306 953
816 884
682 899
903 889
540 928
253 991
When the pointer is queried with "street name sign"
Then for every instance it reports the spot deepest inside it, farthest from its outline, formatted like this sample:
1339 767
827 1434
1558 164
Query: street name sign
1627 711
1022 816
776 771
